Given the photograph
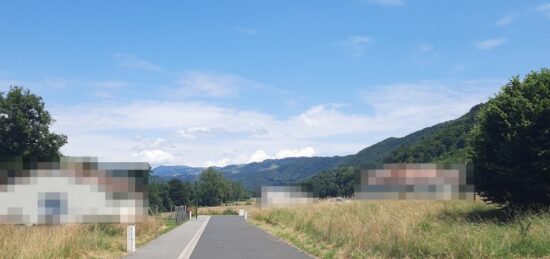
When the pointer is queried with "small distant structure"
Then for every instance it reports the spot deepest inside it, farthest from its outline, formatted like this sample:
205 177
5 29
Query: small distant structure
415 182
337 199
286 196
73 190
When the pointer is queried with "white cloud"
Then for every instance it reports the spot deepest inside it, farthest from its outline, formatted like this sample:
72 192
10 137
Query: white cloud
504 20
195 83
221 163
386 2
422 104
168 132
357 44
249 31
490 43
155 156
304 152
193 132
258 156
261 155
135 62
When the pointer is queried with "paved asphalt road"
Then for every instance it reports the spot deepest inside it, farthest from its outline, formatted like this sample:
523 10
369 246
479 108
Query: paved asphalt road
231 237
171 244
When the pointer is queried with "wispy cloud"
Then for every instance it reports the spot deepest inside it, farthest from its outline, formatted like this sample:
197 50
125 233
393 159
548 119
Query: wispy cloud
249 31
57 82
261 155
109 84
357 44
490 43
426 54
505 20
135 62
545 8
386 2
213 84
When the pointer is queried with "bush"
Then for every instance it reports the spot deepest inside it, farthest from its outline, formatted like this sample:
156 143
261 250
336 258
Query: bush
511 144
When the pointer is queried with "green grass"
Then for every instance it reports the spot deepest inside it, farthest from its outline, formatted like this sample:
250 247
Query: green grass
409 229
170 223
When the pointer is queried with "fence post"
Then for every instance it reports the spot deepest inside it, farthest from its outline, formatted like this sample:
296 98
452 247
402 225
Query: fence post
131 238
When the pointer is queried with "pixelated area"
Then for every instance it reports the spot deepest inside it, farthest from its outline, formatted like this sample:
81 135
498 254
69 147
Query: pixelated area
415 182
286 196
72 190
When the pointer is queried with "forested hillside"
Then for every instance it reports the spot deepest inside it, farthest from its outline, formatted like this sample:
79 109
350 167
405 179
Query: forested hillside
279 171
444 142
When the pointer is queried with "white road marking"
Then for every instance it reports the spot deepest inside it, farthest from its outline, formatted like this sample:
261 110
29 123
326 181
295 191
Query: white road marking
188 250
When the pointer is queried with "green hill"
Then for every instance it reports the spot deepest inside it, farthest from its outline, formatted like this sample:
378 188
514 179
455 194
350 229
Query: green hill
443 142
253 175
279 171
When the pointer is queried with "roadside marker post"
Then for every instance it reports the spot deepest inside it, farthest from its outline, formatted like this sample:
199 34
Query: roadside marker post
241 212
245 215
131 238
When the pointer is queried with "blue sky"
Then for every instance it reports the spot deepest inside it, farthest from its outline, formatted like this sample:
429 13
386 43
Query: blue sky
219 82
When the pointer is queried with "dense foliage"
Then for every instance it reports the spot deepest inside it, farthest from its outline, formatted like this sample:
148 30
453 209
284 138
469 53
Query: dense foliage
24 127
211 189
181 193
511 143
444 142
337 182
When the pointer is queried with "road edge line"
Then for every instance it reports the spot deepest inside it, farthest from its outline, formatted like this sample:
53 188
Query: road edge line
188 250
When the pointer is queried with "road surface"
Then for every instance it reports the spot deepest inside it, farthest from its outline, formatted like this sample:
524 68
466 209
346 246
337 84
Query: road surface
231 237
174 244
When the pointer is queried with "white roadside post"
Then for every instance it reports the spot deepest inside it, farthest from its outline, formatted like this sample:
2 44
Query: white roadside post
131 238
246 215
190 214
241 212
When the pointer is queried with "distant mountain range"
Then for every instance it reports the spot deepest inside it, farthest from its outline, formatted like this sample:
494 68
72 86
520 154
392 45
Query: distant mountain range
270 171
443 142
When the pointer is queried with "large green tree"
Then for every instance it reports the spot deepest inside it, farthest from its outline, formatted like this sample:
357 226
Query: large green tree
511 144
24 127
180 192
212 187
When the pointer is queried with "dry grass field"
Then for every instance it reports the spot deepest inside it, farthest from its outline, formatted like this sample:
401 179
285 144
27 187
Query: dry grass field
74 240
409 229
249 205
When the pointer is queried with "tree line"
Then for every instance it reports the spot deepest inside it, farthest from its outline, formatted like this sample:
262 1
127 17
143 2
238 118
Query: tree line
211 189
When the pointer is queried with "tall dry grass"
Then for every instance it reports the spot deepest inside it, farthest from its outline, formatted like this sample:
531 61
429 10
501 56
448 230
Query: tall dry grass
409 229
73 240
